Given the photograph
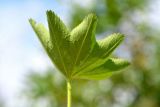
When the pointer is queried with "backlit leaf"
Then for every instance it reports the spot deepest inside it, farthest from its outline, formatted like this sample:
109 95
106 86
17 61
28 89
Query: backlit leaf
76 53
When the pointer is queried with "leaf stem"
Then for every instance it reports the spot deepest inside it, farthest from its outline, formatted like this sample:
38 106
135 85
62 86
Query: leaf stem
69 94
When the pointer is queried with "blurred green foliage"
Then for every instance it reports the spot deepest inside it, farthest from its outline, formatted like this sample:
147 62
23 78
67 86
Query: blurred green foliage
1 103
138 86
109 12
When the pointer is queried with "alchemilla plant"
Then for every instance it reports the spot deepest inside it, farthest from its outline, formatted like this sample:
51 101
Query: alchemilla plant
76 53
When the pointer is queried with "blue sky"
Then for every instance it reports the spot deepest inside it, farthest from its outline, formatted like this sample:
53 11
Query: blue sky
20 50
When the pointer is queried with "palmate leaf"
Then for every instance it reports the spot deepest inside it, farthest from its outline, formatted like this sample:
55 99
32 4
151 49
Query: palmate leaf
76 53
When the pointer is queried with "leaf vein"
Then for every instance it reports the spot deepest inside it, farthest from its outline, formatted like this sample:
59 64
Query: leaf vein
83 42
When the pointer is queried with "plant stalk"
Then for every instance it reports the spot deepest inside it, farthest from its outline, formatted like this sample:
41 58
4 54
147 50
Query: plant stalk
69 100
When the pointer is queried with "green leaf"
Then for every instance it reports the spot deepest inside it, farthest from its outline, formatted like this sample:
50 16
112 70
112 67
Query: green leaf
42 33
83 38
77 54
61 52
102 50
105 70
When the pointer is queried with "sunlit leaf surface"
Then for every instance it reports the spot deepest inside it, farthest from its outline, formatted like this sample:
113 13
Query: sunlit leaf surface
76 53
